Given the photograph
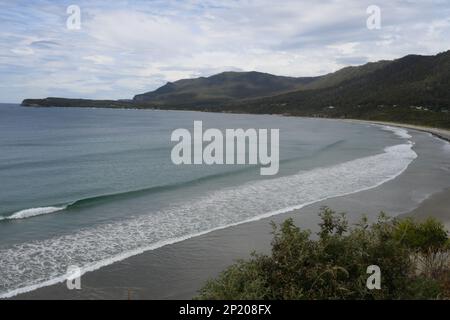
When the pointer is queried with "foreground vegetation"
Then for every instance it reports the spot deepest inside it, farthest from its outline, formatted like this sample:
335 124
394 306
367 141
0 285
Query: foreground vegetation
413 257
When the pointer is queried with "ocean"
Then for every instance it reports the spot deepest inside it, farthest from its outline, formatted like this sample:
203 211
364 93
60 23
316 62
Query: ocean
89 187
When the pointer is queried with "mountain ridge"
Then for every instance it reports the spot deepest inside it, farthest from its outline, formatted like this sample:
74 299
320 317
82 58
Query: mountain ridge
222 87
413 89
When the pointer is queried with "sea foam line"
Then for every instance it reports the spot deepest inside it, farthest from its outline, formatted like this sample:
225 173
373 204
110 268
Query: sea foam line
126 255
100 238
399 132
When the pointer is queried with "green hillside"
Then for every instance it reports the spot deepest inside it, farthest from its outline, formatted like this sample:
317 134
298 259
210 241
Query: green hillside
223 87
413 89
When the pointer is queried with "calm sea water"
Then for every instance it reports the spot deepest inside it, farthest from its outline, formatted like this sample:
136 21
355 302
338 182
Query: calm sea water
88 187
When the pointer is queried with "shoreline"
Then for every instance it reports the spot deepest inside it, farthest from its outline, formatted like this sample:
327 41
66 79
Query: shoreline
46 292
442 134
126 255
436 206
142 267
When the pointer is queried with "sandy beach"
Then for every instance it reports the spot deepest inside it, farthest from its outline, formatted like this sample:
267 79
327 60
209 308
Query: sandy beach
437 206
438 132
179 270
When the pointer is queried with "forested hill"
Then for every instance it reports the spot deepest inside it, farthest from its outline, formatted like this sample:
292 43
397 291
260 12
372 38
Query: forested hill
223 87
413 89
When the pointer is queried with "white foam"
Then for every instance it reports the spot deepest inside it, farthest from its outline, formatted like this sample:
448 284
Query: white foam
28 266
399 132
446 147
445 143
32 212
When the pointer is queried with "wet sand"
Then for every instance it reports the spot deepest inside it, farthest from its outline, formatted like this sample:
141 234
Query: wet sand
179 270
437 206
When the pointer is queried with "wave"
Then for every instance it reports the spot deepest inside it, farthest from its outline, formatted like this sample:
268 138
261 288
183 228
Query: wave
399 132
100 199
332 145
32 212
44 262
19 163
445 145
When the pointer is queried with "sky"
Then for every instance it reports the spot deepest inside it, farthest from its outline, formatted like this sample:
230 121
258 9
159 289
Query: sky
123 48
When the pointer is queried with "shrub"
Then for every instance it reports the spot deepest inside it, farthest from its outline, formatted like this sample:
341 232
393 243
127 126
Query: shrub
334 264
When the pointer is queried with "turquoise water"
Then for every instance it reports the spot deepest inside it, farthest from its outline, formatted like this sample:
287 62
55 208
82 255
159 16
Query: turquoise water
88 187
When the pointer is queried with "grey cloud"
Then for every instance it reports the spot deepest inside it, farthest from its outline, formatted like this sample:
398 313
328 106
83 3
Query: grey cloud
44 44
352 60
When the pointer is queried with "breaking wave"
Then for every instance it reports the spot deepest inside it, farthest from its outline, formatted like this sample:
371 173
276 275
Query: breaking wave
32 212
39 263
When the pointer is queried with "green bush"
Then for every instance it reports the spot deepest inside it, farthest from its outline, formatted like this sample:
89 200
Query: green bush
333 265
425 236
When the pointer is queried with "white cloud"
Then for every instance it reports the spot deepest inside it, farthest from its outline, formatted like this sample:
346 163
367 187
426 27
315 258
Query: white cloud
24 51
344 48
99 59
127 47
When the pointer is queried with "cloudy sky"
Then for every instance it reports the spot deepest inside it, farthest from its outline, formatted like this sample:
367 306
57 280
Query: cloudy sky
128 47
